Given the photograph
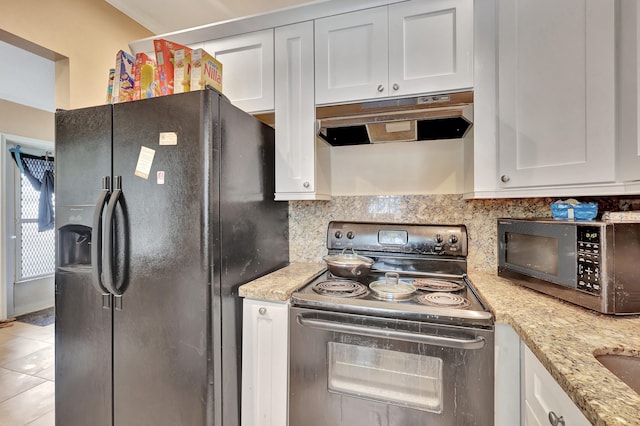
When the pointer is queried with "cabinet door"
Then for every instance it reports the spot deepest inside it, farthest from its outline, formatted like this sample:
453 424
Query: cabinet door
543 396
556 95
265 363
351 52
247 69
297 165
430 46
630 91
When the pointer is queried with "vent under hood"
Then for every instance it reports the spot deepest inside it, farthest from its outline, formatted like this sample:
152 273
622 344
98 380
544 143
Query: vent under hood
399 120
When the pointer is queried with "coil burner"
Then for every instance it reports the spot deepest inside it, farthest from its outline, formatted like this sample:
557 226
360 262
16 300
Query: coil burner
433 284
443 300
341 288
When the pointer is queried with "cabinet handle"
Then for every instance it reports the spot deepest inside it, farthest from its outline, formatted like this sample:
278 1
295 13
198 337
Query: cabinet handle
395 86
555 420
306 184
263 311
505 178
380 88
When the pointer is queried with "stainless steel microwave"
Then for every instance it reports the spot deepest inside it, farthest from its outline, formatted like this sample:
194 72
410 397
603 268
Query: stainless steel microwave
591 264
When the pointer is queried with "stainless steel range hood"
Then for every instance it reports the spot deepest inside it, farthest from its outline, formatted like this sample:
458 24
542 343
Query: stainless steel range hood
448 116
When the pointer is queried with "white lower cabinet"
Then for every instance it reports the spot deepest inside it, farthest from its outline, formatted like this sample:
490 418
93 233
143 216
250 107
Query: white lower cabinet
544 402
265 363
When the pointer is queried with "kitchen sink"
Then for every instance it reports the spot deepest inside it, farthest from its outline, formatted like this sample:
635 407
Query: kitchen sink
626 367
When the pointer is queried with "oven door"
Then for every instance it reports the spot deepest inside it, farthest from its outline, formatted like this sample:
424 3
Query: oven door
357 370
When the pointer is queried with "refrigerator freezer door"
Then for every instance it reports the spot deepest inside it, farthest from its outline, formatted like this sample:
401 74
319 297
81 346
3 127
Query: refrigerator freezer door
83 325
162 149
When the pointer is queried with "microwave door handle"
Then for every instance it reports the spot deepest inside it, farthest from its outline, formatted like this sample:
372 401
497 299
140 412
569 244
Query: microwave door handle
428 339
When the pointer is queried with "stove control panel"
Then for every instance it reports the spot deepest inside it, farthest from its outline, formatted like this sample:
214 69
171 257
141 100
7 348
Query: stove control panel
402 238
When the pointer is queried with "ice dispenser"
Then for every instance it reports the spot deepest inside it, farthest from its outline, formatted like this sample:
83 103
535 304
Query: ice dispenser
74 238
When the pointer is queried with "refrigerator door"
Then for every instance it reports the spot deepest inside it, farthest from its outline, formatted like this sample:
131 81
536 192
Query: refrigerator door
161 265
83 314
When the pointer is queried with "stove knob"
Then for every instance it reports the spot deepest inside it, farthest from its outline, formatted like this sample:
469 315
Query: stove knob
453 239
338 234
439 239
351 235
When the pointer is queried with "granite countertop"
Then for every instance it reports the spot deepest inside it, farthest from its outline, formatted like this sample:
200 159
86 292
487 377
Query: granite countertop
563 336
279 285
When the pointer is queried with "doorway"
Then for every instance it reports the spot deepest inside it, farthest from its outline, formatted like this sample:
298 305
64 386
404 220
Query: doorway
29 258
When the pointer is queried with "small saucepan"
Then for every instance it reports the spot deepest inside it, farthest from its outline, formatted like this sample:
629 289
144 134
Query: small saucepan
391 288
348 265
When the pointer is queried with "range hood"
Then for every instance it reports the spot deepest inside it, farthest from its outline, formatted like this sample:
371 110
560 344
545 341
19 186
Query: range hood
432 117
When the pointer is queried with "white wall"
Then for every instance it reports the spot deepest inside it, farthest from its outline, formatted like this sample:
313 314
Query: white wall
399 168
27 78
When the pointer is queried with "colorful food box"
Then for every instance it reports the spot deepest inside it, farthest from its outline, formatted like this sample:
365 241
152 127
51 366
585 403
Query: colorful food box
205 71
146 82
123 90
165 51
182 70
112 74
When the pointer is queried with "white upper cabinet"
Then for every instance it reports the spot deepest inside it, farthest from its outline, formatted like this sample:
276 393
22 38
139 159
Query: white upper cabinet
556 92
629 91
430 46
300 157
351 53
247 69
406 48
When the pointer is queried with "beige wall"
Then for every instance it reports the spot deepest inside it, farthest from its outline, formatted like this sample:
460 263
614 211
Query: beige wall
20 120
87 32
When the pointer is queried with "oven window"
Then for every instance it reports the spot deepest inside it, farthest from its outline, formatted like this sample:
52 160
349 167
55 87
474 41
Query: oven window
404 379
535 252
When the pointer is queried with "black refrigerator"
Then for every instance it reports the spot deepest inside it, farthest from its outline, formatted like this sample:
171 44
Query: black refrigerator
164 207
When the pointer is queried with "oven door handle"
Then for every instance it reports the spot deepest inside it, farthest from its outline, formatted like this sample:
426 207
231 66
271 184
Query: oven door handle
428 339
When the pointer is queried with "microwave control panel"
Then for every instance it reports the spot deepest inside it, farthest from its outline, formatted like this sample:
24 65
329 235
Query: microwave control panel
588 250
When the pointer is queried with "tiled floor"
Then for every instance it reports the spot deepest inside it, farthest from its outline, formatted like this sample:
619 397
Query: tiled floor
27 375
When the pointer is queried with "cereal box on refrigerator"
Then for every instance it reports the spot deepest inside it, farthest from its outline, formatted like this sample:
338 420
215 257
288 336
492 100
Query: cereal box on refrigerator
146 82
165 51
112 73
205 71
181 70
123 80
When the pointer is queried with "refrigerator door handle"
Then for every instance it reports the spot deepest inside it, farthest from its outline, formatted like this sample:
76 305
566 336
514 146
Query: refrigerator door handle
96 238
108 254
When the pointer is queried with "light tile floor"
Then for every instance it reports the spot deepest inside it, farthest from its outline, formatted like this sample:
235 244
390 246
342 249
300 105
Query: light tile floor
27 375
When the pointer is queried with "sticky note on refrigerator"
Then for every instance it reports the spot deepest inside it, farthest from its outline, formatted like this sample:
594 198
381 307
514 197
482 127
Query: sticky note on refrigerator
145 161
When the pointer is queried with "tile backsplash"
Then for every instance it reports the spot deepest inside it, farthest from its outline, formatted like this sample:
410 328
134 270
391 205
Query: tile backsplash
308 220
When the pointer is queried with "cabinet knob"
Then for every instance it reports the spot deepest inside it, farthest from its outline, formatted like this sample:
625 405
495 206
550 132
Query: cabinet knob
306 184
380 88
555 420
505 178
395 86
263 311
